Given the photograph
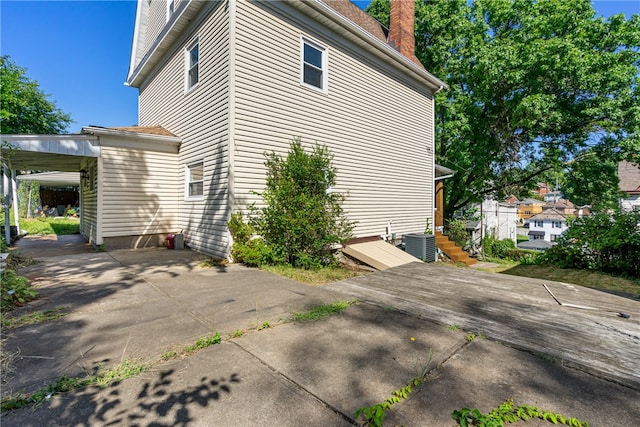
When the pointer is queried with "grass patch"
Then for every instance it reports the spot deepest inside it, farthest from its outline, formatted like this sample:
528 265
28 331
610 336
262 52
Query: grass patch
50 226
312 277
102 378
321 312
209 262
590 279
203 342
33 318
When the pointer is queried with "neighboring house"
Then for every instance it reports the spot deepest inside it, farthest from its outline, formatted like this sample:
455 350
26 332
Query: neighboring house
528 208
553 196
541 189
548 225
563 206
498 220
629 176
511 199
221 83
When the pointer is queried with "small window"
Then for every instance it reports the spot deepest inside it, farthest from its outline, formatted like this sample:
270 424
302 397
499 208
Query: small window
192 59
170 9
556 224
555 237
195 180
314 65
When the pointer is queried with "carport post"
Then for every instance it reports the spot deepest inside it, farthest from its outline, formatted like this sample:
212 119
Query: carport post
14 195
5 200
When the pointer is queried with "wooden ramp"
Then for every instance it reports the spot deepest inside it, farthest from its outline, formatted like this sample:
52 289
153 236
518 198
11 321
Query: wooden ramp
379 254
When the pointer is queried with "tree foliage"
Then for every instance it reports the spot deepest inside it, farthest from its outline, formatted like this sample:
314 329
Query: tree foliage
534 85
600 242
24 108
301 218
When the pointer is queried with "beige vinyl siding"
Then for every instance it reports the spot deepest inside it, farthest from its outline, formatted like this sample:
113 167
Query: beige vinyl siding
141 191
378 125
155 22
89 206
200 118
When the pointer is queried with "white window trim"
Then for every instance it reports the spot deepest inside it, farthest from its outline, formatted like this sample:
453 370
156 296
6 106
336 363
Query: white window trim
187 64
170 12
325 64
187 181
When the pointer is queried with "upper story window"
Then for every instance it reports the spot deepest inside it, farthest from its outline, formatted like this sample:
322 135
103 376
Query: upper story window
538 224
194 179
170 9
556 224
192 60
314 64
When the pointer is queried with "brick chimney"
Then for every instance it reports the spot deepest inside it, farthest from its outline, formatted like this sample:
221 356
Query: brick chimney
401 28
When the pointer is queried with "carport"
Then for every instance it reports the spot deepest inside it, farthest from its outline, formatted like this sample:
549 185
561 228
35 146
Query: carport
130 180
65 153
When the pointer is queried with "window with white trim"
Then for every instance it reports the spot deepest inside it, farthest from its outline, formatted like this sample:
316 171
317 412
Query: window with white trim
170 9
314 64
192 61
194 180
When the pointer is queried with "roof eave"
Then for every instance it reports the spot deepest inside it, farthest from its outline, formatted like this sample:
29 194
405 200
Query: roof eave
373 44
172 141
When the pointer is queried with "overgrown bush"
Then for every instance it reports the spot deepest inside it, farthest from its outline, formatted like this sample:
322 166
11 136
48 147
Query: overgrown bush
497 248
456 231
602 242
301 218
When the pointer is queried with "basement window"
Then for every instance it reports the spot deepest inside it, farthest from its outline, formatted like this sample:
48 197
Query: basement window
194 179
314 65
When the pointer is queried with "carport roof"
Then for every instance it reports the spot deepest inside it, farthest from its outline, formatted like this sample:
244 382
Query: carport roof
65 152
51 152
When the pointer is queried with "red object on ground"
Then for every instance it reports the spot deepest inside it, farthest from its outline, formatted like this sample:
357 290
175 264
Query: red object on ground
169 241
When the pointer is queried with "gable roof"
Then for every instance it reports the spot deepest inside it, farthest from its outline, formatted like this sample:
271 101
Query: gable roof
340 16
530 201
549 215
629 176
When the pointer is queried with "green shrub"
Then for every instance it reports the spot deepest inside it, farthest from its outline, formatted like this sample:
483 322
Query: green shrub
497 248
456 230
3 245
239 229
15 290
256 253
604 242
522 256
301 219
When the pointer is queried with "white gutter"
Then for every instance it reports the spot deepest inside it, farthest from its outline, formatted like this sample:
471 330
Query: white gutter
172 141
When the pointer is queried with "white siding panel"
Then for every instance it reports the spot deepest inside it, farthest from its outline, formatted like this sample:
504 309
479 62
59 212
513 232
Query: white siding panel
200 118
155 22
141 189
378 126
89 205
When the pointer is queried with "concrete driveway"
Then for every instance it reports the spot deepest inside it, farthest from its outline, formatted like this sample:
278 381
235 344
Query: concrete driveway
139 304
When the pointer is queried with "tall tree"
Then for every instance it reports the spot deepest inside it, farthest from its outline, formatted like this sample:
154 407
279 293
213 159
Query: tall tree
534 85
24 107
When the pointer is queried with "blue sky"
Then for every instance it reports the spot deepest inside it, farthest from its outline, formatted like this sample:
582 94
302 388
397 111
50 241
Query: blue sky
78 51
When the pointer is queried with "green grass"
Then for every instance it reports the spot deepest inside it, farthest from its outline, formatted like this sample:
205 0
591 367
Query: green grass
590 279
102 378
321 311
522 238
312 277
50 226
203 342
33 318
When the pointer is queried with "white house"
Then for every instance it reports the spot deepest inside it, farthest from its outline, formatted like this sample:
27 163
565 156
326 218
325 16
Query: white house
548 225
222 82
629 176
